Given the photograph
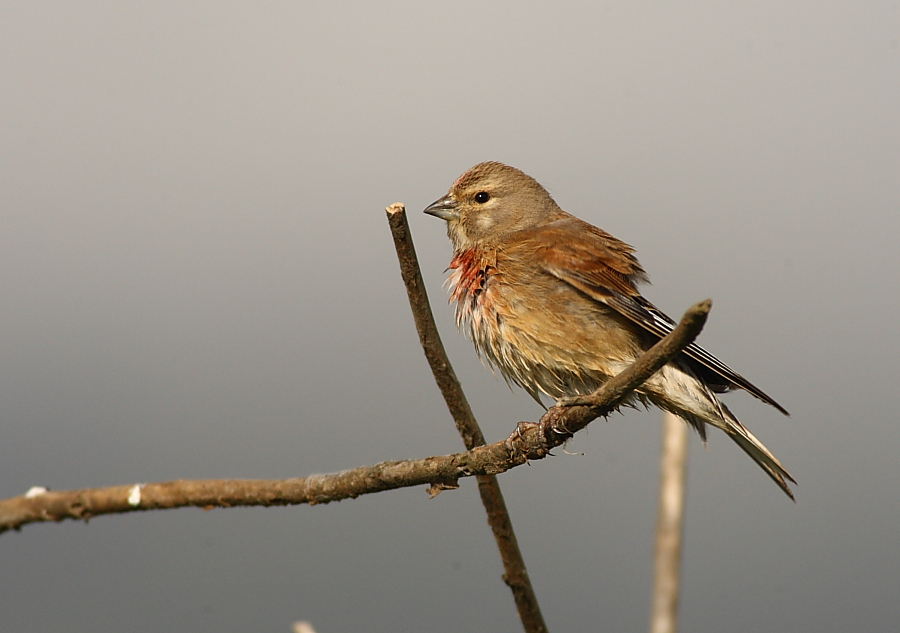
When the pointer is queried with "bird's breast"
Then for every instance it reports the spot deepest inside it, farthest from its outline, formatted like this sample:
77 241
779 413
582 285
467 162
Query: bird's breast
537 330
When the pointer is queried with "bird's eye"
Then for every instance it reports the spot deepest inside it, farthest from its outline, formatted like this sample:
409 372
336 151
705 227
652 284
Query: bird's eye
482 196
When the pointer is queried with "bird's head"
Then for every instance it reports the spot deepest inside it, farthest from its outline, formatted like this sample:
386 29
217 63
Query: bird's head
490 201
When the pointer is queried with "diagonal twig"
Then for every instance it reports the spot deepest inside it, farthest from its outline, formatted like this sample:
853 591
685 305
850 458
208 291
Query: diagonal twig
565 421
530 441
515 573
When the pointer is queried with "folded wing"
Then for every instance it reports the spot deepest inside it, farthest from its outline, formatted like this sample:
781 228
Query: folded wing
605 269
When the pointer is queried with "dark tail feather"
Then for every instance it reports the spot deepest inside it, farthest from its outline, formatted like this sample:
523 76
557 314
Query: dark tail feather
680 392
761 455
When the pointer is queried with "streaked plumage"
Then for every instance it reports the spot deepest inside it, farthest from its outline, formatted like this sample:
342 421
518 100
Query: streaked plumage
552 302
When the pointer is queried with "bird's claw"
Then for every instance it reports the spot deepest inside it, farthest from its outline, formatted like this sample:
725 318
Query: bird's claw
520 429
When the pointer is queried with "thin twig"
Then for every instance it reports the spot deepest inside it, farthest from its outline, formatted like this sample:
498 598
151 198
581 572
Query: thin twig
515 573
563 422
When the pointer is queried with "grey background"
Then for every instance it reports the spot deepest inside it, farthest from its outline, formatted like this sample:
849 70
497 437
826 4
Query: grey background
197 280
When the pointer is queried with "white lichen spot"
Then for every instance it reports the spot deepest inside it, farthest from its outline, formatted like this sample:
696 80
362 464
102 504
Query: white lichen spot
35 491
134 495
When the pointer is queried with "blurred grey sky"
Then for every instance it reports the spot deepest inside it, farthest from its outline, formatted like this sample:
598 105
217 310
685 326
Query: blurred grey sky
198 281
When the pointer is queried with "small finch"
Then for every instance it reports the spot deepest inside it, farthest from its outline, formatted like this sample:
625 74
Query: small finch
552 302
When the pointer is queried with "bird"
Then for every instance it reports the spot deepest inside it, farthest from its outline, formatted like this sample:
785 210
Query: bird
552 302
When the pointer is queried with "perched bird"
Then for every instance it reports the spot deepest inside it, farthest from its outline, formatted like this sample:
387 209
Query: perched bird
552 302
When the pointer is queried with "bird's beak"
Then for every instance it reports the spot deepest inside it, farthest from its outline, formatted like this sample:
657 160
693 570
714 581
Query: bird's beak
445 208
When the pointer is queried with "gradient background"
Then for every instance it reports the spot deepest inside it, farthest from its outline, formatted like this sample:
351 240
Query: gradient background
197 280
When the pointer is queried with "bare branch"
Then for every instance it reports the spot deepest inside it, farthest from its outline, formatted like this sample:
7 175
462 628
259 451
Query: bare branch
529 442
515 573
669 526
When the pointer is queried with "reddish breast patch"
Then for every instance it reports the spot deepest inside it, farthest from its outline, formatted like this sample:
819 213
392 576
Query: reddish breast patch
469 276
